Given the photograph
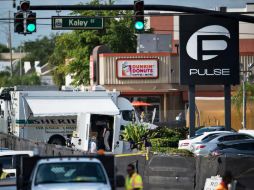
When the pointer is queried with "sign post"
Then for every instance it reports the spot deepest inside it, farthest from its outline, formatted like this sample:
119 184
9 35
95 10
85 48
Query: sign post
227 99
76 23
192 108
209 55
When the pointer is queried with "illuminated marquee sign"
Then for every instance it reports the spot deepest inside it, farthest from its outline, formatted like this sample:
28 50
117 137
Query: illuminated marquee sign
137 68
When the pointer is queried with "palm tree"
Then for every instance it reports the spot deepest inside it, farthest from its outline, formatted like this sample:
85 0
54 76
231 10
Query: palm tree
237 98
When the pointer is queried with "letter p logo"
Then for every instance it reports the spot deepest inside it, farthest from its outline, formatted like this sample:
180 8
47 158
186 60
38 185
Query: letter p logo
208 42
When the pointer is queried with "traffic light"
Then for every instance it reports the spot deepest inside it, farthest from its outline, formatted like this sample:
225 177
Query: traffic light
139 16
19 22
24 6
31 22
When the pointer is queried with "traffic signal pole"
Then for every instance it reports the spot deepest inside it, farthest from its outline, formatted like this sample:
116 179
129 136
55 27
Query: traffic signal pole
190 10
10 42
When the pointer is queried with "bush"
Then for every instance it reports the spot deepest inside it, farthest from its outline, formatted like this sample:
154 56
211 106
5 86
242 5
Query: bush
165 132
160 142
174 151
135 134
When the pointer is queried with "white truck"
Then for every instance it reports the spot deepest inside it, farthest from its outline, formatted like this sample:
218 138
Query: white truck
51 116
69 174
87 172
9 159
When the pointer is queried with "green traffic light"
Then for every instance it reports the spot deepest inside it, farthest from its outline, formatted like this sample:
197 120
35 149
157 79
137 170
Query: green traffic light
31 27
139 25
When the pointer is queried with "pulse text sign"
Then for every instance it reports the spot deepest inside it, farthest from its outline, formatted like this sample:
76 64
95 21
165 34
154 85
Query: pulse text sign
76 23
209 50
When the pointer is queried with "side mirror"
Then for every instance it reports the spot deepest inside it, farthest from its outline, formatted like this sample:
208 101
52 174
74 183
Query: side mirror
120 181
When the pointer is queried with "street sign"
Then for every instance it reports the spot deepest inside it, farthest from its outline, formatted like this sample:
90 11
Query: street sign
76 23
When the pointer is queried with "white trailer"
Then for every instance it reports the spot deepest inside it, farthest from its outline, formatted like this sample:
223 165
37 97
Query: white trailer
51 116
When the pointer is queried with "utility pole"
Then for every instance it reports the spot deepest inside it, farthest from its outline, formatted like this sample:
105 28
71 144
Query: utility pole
244 100
10 44
20 63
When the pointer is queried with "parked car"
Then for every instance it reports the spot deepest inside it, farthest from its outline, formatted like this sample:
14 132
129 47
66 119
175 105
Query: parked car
188 143
232 148
202 130
204 147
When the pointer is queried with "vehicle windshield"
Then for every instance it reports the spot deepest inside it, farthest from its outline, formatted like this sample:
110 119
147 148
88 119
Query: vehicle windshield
127 115
209 138
7 162
70 172
201 131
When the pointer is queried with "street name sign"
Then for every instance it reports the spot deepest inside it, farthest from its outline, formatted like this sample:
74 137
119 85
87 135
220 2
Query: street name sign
76 23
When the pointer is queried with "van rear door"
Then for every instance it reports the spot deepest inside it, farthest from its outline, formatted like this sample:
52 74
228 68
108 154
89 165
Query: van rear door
83 130
117 147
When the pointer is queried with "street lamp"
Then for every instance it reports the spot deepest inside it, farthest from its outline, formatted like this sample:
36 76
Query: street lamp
245 78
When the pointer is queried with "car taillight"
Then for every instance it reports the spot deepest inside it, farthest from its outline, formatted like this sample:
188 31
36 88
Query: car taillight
200 146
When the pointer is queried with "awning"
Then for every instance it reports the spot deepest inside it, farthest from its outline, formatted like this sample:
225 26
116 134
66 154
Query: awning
41 107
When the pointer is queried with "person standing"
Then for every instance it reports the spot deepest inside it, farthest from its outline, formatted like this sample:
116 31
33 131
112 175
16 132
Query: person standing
93 145
226 180
142 116
106 134
133 180
3 175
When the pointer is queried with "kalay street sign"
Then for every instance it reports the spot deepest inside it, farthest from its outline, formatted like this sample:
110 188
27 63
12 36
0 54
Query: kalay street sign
76 23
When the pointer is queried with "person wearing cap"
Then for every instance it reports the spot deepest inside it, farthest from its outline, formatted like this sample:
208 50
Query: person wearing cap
133 180
3 175
226 180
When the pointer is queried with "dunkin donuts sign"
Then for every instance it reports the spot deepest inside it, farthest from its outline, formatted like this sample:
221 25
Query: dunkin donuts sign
137 68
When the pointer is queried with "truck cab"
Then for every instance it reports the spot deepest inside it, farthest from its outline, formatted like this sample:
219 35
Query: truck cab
11 158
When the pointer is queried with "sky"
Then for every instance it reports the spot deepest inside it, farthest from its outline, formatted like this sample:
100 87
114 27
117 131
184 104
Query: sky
42 30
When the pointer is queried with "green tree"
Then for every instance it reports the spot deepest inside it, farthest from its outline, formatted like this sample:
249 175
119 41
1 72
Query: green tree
77 46
237 98
6 80
4 49
39 50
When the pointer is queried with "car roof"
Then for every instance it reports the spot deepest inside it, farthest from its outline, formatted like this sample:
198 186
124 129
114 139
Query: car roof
209 133
212 127
237 141
67 159
216 126
235 134
216 132
16 152
250 132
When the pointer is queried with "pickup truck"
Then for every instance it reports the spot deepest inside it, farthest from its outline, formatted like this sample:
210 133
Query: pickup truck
11 158
69 174
93 172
